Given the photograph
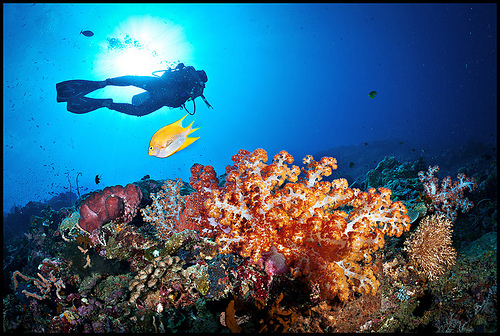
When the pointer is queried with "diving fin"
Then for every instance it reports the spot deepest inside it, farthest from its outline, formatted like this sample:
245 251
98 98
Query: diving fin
84 104
75 88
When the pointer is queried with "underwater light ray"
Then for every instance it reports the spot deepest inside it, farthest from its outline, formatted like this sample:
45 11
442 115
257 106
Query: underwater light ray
141 45
138 46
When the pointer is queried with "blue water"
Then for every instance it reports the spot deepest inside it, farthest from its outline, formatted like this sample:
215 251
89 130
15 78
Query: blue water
293 77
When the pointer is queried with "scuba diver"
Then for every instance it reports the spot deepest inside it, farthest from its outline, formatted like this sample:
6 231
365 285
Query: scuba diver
173 89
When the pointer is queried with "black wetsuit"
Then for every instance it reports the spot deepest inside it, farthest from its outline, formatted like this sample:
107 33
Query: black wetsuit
172 89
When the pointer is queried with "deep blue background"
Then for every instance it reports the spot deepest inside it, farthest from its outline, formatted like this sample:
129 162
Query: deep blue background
293 77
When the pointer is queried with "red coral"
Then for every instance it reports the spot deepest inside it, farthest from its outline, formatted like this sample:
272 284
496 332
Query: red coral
203 179
254 282
112 203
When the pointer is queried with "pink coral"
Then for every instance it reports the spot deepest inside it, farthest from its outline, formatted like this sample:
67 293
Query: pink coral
448 198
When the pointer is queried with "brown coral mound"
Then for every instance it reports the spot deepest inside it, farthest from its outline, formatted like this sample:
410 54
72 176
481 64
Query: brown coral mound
429 248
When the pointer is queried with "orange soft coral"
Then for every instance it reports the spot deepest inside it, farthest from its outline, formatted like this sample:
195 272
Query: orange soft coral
306 220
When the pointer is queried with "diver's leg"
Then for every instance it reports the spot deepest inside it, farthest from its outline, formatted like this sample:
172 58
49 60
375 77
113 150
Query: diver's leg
139 111
144 82
129 109
81 105
76 88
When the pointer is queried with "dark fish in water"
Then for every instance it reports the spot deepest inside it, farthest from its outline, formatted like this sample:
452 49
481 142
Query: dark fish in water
372 94
351 164
87 33
145 177
487 157
97 179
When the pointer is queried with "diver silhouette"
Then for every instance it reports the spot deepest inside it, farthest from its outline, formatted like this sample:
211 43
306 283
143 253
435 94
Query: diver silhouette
174 88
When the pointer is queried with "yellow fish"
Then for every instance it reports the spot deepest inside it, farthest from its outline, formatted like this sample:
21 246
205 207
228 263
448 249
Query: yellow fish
170 139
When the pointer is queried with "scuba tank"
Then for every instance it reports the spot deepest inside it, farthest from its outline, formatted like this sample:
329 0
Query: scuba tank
140 98
200 78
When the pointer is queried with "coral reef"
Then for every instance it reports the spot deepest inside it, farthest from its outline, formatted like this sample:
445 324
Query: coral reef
270 248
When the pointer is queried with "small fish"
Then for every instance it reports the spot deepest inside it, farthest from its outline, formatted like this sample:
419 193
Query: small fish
372 94
487 157
171 139
97 179
351 164
87 33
